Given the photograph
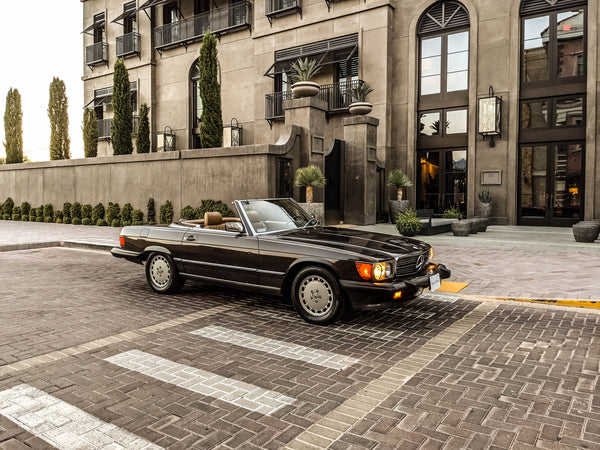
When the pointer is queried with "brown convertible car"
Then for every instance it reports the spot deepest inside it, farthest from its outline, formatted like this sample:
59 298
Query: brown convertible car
274 246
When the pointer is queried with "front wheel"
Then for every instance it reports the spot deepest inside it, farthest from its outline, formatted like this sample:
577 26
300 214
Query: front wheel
317 297
162 275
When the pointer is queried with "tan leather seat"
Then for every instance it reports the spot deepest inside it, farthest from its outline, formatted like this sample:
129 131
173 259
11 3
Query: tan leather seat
254 218
213 221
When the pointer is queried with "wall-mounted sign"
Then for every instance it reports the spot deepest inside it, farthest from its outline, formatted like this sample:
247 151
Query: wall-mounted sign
491 177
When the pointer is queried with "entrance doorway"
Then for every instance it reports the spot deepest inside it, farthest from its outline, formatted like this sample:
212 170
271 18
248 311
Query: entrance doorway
442 180
551 183
334 188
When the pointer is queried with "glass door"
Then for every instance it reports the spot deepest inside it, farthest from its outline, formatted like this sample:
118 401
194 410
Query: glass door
442 180
551 184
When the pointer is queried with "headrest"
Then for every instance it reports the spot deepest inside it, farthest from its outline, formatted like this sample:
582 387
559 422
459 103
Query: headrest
213 218
253 216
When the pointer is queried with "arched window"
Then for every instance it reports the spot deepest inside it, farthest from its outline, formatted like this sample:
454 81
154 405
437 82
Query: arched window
443 104
195 105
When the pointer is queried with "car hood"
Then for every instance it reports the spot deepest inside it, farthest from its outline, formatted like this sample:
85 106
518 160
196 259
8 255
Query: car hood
356 241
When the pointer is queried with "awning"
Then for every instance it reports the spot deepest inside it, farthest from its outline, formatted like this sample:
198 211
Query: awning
97 24
151 3
124 16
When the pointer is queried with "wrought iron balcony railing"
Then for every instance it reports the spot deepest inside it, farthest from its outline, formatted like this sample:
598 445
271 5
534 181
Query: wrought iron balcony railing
96 54
218 20
281 7
337 95
129 44
104 127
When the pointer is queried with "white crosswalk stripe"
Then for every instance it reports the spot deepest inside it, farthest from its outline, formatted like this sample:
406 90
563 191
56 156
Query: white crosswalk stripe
63 425
206 383
276 347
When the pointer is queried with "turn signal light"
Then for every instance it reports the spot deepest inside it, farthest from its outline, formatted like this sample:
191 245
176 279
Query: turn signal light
397 295
364 270
122 241
376 271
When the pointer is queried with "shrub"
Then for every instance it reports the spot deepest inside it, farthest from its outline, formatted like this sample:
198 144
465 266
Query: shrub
32 217
126 213
212 205
86 212
66 220
48 212
24 218
58 216
115 223
187 213
25 209
75 211
86 221
98 213
166 212
39 219
113 212
137 217
151 212
16 211
49 219
7 206
408 223
101 223
16 217
76 221
6 216
67 211
453 213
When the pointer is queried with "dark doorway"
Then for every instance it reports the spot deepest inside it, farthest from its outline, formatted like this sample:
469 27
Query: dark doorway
284 178
334 189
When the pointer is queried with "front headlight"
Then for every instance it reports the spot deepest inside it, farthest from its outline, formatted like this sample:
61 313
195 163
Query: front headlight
375 271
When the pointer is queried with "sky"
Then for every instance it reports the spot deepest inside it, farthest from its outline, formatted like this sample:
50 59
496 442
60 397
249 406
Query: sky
39 40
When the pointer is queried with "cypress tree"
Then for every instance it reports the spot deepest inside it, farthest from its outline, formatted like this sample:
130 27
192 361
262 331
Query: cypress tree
211 128
143 134
90 133
59 120
122 124
13 127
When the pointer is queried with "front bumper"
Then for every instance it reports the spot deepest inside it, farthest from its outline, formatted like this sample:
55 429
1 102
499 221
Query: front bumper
365 295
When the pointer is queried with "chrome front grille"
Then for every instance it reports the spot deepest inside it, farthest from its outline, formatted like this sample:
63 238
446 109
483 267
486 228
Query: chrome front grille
407 264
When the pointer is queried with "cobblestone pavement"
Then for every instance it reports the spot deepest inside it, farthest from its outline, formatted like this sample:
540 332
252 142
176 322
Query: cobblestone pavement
90 357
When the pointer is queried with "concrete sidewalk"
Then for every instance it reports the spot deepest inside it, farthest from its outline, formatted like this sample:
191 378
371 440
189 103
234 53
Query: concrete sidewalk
504 262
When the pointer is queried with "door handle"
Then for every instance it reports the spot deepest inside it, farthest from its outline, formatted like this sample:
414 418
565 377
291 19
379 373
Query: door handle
190 238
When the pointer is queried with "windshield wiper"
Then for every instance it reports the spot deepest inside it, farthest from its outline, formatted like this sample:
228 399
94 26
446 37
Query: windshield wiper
313 219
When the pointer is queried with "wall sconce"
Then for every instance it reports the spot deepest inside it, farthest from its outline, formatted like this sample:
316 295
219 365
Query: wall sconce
169 139
489 116
232 134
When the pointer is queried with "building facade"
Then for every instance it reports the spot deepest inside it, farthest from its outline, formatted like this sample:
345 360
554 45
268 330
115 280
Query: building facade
433 64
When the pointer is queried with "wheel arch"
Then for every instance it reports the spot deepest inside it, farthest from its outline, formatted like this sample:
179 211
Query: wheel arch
300 264
155 249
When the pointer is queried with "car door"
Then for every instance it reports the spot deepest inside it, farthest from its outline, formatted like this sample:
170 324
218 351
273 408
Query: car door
220 255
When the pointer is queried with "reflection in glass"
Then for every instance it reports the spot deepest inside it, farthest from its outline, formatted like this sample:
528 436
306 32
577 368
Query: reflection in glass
569 34
456 121
431 65
568 181
429 124
457 62
569 112
534 114
535 49
533 181
429 181
456 179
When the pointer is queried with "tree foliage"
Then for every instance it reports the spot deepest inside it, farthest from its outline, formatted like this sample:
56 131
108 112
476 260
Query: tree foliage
143 134
59 120
13 127
122 124
90 133
211 128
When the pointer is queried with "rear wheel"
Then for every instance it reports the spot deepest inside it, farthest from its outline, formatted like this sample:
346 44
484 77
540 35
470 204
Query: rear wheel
162 275
317 297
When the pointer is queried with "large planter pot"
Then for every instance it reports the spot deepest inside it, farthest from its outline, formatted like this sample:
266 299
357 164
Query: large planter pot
305 89
473 225
317 210
485 210
586 231
360 108
461 228
397 206
483 223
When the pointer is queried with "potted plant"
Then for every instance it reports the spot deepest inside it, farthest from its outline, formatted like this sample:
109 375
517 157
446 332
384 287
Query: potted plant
460 227
398 179
408 223
359 103
311 177
305 70
485 203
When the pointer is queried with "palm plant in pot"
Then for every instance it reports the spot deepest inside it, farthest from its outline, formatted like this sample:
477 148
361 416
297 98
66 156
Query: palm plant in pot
408 223
305 70
398 179
309 177
359 103
485 203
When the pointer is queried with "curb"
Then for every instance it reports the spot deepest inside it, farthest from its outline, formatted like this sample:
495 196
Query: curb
81 244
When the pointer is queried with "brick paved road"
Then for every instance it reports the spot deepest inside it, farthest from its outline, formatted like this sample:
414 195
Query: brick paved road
90 357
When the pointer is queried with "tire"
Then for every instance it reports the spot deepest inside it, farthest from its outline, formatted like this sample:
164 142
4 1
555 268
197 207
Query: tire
317 297
162 275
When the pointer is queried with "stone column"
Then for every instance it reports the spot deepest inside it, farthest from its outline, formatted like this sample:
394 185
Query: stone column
309 114
360 136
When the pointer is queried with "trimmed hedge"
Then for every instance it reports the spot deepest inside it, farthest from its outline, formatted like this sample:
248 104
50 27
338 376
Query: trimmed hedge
86 212
76 221
151 211
25 208
7 207
137 217
101 223
113 212
86 221
75 211
126 211
166 212
98 213
48 213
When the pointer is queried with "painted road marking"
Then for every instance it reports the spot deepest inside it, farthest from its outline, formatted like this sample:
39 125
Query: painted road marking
61 424
276 347
203 382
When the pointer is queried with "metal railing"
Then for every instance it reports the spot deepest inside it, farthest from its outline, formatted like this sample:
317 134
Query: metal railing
337 95
96 53
217 20
104 127
272 7
129 44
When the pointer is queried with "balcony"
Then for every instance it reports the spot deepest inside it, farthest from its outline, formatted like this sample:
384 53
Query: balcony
96 54
337 96
275 8
217 21
129 44
104 127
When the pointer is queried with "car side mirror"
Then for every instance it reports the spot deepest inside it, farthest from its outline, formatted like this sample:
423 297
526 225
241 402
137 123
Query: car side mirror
235 227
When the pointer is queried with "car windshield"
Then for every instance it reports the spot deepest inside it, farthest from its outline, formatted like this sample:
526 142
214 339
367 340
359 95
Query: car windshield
277 214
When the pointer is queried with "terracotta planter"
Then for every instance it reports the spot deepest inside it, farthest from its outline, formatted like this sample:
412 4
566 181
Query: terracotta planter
586 231
360 108
461 228
305 89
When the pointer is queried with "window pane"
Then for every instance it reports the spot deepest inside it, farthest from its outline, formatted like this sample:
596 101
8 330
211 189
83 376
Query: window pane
569 112
458 42
534 114
535 49
456 179
570 27
456 121
458 61
431 47
430 85
457 81
429 124
429 181
431 66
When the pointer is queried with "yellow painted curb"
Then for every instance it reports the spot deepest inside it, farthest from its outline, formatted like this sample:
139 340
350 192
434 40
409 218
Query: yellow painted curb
452 286
589 304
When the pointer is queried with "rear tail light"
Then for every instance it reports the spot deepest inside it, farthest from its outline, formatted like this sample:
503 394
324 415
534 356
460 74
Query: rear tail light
122 241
